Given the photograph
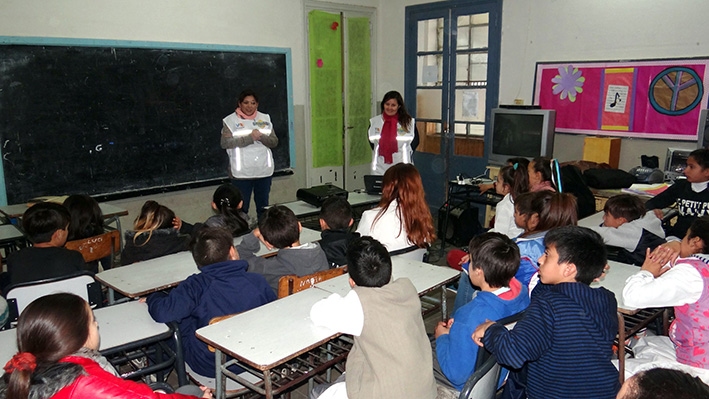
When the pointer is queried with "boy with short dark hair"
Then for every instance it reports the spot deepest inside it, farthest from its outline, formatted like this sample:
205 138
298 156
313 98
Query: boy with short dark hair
335 221
391 356
691 195
222 287
494 260
630 228
279 228
566 335
45 224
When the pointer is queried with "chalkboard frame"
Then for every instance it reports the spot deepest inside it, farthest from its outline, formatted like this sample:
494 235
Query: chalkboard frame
77 42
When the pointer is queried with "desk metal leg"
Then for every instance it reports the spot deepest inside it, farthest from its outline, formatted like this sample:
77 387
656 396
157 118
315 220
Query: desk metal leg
267 384
621 348
111 296
444 303
220 381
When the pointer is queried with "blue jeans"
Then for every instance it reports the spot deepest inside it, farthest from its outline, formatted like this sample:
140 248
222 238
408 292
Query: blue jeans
261 188
466 292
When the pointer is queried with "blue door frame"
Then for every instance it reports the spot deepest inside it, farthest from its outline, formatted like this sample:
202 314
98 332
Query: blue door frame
432 166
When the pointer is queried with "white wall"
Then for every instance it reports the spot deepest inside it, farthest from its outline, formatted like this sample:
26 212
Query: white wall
539 30
576 30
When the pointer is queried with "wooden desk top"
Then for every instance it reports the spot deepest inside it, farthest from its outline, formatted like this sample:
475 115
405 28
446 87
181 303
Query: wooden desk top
157 274
276 332
614 281
118 325
424 276
17 210
270 334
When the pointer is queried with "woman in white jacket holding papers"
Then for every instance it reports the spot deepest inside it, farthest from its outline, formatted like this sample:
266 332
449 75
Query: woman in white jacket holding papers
248 136
392 134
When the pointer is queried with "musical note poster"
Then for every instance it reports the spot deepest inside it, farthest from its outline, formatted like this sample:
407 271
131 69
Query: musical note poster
658 99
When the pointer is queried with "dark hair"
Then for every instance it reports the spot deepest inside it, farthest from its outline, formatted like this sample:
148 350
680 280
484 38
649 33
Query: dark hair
152 216
42 220
244 94
402 183
86 217
660 383
368 262
580 246
403 114
543 166
554 209
497 255
337 213
50 328
700 228
279 226
516 177
227 199
701 156
627 206
211 245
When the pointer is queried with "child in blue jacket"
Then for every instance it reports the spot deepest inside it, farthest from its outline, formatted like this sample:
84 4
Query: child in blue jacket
222 287
494 260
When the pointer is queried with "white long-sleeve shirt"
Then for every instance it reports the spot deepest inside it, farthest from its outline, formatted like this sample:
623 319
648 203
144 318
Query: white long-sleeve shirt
340 314
681 285
505 218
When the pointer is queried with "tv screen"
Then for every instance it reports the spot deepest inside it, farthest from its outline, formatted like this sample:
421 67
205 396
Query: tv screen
525 133
518 134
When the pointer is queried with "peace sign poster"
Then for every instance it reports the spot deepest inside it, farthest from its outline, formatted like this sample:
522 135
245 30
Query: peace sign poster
659 99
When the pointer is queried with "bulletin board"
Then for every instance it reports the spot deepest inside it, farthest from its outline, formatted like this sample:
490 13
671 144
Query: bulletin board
653 99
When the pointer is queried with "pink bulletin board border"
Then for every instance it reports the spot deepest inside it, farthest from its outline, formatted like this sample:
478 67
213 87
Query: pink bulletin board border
584 114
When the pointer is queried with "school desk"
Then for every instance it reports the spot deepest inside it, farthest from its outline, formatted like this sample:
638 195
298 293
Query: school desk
121 327
142 278
309 214
11 238
424 276
630 319
279 337
590 221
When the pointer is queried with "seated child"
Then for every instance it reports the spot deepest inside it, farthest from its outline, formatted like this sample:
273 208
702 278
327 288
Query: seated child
279 228
660 383
335 222
683 285
391 356
629 227
222 287
46 225
86 221
511 182
566 335
494 260
690 195
153 235
227 202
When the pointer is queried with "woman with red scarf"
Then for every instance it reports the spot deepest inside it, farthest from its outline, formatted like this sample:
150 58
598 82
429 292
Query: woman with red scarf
248 136
392 134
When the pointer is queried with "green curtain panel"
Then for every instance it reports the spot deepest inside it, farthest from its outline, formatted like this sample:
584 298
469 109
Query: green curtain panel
359 89
325 88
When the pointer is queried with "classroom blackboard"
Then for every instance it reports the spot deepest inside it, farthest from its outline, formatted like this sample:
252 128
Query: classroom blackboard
111 119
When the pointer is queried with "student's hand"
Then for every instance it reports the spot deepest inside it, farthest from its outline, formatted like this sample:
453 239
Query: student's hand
464 259
256 134
258 235
603 273
479 332
658 213
176 223
443 328
657 259
206 392
143 299
673 245
485 187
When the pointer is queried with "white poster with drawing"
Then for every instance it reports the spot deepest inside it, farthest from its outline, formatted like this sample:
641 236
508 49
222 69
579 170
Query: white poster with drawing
470 104
616 98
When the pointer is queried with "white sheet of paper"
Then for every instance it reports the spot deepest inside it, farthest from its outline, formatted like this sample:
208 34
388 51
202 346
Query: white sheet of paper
616 98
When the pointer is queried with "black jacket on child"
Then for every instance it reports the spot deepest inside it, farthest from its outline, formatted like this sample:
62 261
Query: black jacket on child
334 243
162 242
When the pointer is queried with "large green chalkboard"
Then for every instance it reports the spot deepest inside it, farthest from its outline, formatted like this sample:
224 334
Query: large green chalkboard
115 119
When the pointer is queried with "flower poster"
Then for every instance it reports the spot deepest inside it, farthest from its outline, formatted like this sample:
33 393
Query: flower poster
658 99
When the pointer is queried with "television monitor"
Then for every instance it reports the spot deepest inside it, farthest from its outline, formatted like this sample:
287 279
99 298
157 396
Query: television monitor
527 133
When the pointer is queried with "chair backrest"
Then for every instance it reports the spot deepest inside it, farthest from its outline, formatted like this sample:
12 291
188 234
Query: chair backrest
290 284
483 382
97 247
81 284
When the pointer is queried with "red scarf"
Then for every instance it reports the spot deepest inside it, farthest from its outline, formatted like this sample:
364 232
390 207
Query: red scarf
387 141
242 115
